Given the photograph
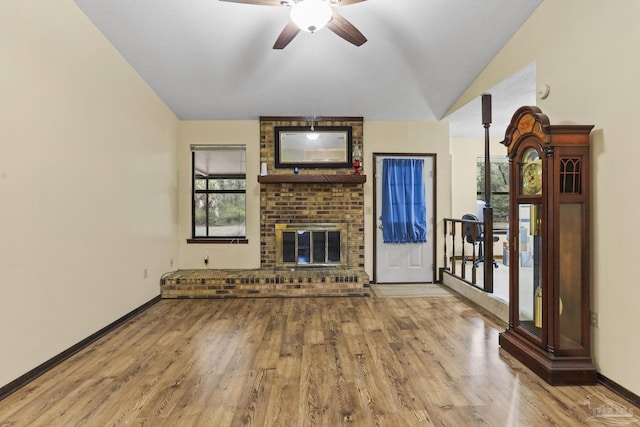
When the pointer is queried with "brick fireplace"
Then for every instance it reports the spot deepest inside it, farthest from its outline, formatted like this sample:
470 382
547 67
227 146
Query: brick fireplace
311 196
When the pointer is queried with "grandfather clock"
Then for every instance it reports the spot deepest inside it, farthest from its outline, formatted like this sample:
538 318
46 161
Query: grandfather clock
549 307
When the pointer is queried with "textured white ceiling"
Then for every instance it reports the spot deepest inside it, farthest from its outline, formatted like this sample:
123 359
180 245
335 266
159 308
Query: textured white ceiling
213 60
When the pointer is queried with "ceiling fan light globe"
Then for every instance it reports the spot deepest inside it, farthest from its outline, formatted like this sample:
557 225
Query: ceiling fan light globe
311 15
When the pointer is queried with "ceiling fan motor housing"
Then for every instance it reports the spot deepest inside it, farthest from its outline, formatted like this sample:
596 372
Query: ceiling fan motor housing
311 15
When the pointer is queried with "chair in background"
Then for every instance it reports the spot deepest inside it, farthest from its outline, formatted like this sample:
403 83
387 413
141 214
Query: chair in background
479 237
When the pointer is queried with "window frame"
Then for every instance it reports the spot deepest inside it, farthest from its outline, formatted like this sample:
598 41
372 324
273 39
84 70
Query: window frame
207 191
480 196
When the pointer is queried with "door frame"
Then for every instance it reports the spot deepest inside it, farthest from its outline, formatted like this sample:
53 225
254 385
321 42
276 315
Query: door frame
376 214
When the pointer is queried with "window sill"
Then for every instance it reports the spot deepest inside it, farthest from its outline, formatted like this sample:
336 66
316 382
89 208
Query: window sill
215 240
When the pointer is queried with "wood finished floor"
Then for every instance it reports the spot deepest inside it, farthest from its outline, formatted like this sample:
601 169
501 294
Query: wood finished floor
299 362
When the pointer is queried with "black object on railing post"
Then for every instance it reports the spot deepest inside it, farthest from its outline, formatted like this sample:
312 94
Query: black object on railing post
488 210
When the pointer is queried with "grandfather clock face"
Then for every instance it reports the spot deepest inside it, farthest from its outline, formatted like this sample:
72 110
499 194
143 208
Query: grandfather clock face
531 173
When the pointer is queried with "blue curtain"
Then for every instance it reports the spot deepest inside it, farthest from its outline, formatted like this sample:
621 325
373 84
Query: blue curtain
404 212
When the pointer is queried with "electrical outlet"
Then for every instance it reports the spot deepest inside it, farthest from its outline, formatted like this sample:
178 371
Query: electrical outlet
594 319
171 262
145 273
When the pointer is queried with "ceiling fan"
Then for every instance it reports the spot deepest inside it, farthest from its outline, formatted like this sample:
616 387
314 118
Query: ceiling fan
311 16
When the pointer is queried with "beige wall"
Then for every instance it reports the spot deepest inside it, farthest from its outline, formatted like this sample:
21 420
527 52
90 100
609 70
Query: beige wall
87 183
584 50
225 133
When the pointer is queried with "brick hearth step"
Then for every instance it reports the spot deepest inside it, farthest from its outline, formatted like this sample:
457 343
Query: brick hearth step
230 283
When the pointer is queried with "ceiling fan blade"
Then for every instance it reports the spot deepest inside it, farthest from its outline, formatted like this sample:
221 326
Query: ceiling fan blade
346 30
258 2
346 2
285 37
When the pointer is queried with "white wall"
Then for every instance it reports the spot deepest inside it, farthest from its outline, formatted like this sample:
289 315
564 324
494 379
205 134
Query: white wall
87 183
222 255
585 51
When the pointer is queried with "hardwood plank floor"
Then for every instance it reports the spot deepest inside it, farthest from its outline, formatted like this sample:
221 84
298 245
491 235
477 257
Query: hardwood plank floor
300 362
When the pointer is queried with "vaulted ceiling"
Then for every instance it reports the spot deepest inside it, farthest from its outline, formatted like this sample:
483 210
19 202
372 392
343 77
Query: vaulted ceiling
213 60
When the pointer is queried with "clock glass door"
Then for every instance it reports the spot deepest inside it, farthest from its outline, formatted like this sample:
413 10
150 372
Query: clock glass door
572 310
530 268
570 275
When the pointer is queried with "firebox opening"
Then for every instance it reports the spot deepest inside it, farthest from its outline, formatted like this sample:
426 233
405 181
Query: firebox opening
310 245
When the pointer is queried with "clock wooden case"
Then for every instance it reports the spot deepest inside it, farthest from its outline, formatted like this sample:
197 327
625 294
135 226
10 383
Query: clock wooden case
549 276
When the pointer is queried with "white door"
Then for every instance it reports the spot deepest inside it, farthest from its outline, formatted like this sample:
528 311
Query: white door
405 262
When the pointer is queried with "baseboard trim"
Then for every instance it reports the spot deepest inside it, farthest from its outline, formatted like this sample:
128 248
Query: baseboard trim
25 379
619 390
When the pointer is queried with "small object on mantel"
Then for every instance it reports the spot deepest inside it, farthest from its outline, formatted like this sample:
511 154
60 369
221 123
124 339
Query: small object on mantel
356 161
296 170
263 169
357 167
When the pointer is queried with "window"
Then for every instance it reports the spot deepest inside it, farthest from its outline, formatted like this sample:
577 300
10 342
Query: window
219 193
499 189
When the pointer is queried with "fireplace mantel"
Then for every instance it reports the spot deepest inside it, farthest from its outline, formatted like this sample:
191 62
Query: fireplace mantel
309 178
